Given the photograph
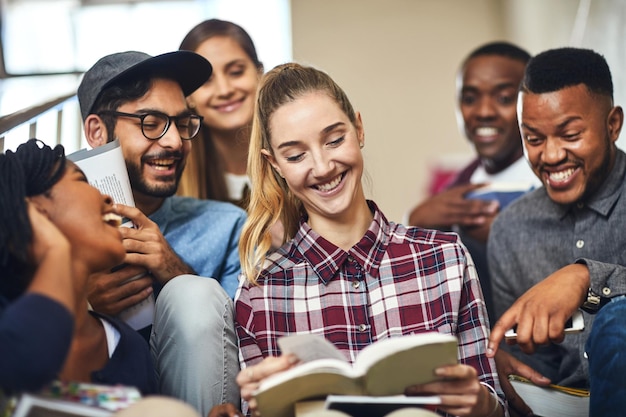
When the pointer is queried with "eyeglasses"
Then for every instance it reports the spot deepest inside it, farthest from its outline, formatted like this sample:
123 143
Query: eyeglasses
154 124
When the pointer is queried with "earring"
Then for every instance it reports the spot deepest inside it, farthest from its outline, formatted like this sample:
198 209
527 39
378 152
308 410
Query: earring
361 145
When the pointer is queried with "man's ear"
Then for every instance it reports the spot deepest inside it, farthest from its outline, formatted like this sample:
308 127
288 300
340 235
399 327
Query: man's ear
270 158
615 122
95 131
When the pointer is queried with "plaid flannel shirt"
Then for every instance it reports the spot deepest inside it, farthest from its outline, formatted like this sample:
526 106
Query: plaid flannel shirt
394 281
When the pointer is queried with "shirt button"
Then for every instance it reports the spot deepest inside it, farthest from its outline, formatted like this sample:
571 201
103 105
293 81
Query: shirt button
362 327
580 244
580 205
350 258
606 291
356 284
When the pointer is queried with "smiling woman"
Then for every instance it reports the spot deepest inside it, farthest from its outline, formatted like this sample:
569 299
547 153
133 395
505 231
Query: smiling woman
344 265
216 169
55 231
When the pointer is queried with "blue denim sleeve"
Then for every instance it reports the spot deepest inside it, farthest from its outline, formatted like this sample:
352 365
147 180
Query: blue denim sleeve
232 268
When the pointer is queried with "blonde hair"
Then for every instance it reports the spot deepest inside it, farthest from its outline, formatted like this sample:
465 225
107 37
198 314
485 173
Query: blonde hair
271 200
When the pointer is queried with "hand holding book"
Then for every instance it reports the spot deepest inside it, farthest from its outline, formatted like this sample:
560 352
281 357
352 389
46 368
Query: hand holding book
105 169
385 368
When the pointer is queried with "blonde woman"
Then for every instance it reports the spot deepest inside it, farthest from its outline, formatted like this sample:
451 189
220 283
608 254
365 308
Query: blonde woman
346 272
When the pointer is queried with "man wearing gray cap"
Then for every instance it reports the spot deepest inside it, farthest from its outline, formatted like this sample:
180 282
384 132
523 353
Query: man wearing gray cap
139 100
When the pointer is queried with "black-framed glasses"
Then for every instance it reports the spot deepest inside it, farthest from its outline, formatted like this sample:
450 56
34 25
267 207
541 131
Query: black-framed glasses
154 124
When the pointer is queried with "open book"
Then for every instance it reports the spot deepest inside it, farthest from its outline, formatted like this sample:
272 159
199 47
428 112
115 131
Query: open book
105 169
552 400
504 192
384 368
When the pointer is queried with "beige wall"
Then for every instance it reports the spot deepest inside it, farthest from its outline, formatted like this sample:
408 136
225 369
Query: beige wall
397 60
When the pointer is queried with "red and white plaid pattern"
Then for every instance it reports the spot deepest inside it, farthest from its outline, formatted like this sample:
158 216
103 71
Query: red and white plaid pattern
395 281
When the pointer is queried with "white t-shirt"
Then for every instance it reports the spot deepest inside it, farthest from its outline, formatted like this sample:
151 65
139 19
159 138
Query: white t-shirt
236 185
518 172
112 335
507 185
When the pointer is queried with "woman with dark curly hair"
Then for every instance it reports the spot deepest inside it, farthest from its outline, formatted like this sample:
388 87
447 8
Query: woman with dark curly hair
55 231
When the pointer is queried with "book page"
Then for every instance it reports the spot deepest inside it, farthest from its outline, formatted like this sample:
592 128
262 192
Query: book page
392 365
385 347
402 400
319 366
140 315
553 400
278 393
309 347
105 169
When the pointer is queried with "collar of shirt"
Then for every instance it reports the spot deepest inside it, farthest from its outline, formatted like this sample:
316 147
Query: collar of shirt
605 197
325 258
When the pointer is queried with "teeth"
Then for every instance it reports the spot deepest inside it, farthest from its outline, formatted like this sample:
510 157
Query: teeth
561 175
486 131
162 162
228 108
112 219
330 185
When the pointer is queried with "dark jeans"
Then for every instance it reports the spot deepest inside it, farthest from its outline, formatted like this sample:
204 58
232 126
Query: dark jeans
606 350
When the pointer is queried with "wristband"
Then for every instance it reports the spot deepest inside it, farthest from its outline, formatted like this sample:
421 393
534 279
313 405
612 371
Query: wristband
494 394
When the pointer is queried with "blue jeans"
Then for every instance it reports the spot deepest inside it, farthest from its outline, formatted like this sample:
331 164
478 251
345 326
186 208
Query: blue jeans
194 344
606 350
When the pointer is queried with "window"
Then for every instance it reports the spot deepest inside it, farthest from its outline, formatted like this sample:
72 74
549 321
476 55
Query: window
43 36
69 36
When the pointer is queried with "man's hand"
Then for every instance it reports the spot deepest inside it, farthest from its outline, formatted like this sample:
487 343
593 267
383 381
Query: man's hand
112 292
506 365
450 207
541 312
480 233
146 246
225 410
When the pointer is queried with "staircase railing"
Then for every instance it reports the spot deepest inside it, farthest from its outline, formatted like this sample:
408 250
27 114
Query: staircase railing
46 109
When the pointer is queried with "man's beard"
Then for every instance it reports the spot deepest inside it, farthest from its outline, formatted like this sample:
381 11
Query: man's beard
599 175
161 190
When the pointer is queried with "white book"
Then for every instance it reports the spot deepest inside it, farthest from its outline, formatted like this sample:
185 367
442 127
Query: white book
359 406
105 169
552 400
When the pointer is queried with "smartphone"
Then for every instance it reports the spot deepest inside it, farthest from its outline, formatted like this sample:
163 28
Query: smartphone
575 324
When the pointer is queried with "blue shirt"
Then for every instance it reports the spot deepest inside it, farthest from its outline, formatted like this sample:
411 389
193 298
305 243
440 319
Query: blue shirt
205 234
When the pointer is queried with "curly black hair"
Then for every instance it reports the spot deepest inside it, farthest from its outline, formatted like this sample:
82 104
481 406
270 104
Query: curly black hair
32 169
